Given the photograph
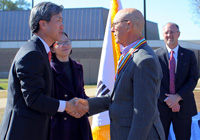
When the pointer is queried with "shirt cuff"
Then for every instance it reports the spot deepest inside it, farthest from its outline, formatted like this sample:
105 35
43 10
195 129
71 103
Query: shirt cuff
62 106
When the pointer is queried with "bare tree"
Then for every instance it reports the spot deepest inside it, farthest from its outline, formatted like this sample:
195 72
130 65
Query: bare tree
195 8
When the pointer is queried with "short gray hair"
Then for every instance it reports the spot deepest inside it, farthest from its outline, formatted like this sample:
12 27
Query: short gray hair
173 24
43 11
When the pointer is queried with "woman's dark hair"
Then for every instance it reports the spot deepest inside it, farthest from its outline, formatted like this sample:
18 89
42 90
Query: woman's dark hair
55 42
53 54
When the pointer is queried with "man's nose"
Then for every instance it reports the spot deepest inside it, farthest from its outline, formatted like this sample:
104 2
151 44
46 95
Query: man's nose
112 29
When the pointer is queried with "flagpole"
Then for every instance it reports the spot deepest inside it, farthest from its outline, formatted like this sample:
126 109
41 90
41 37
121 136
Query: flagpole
145 24
32 7
32 3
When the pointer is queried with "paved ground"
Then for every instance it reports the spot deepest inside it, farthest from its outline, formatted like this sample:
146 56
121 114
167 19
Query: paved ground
91 92
3 102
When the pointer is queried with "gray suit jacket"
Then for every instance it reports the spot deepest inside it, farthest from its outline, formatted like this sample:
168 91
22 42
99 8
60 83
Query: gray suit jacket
133 103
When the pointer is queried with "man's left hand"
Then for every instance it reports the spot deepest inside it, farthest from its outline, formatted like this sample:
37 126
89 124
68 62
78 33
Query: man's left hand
172 99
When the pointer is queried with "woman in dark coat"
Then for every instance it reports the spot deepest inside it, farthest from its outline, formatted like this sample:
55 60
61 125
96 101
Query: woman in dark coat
68 83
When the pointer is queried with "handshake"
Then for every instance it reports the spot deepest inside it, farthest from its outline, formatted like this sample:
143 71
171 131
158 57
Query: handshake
77 107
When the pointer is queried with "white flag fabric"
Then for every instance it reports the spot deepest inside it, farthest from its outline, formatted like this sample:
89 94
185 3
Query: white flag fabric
106 78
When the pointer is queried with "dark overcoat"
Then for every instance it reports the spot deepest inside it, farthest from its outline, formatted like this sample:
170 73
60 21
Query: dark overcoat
29 106
64 126
186 78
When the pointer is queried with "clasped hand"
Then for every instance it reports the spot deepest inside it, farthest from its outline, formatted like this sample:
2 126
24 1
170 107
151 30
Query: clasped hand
173 102
77 107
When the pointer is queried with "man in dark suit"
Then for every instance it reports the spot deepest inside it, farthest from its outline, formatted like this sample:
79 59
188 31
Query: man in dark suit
132 105
180 75
29 105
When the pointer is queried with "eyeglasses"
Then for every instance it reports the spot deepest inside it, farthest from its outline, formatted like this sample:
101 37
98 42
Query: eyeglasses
68 42
113 25
170 32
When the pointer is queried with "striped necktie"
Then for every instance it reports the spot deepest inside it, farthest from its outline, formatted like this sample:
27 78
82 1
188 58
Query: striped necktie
172 72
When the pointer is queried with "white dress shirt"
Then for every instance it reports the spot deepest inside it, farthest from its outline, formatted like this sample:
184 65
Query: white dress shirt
175 54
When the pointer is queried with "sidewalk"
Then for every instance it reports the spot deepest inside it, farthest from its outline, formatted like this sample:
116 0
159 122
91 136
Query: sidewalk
3 102
91 92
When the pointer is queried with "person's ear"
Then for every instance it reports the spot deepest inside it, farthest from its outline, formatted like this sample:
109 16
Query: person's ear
128 25
179 33
42 24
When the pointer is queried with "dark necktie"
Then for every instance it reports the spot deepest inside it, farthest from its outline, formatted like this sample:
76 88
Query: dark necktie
172 73
49 56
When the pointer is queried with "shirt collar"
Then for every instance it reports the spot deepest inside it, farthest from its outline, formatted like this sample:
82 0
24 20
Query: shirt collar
127 48
175 49
45 45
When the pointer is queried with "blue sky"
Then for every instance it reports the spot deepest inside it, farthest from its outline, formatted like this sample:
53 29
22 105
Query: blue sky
159 11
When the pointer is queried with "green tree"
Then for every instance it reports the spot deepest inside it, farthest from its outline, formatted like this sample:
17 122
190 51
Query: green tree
11 6
22 4
17 5
3 4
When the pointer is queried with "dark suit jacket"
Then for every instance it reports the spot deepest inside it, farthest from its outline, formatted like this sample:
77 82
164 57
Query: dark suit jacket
186 78
133 103
64 126
29 106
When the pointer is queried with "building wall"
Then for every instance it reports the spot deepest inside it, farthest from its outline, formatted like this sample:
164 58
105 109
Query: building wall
89 57
6 57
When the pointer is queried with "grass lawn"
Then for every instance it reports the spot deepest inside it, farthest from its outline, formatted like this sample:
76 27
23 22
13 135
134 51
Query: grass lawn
3 80
3 83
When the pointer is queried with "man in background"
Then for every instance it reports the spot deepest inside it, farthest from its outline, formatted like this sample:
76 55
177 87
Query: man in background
180 75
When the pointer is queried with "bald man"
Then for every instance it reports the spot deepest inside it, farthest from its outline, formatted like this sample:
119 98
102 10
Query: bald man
133 103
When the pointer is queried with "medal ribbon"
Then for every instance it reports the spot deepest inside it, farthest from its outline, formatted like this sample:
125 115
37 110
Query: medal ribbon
123 59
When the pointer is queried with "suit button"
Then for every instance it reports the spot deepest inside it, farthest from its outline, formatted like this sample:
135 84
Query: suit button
65 118
65 95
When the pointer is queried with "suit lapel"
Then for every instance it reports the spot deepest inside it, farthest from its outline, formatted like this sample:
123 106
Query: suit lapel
124 68
180 60
120 74
165 58
61 76
126 64
40 45
42 49
76 72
